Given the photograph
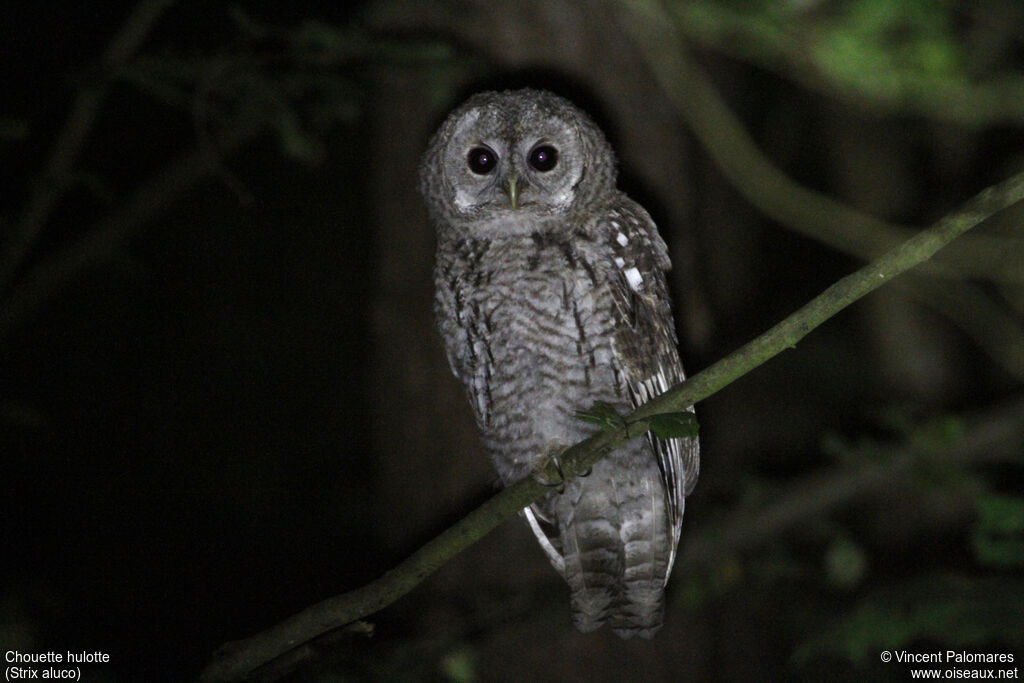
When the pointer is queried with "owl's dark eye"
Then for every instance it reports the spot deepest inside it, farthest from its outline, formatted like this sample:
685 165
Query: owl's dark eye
482 160
543 157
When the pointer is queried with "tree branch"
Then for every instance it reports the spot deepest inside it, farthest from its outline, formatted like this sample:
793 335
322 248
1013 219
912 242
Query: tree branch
109 234
787 47
992 436
787 333
235 661
721 133
765 186
49 188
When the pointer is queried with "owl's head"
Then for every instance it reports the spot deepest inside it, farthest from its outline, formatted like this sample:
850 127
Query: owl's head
503 156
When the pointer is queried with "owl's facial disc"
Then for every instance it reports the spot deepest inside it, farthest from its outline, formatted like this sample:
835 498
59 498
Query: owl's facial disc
519 163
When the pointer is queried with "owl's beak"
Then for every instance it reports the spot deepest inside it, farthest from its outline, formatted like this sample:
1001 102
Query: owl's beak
512 189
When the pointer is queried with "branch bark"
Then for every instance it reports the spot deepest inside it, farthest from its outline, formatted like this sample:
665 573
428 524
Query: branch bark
235 661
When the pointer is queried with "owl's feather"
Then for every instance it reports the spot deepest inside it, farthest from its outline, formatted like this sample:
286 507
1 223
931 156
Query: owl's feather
645 342
550 295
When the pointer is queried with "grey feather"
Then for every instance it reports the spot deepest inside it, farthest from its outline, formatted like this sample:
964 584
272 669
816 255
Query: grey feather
550 295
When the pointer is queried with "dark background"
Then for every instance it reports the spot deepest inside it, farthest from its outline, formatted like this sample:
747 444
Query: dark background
222 396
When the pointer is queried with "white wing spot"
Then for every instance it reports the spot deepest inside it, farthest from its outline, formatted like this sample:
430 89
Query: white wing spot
621 239
619 261
634 278
615 224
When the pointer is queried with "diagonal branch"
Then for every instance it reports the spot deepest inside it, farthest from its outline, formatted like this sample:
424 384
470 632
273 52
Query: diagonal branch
992 436
787 333
726 140
109 234
786 45
235 661
48 189
657 36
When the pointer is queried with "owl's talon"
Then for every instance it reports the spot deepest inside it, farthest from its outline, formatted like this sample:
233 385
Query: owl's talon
557 485
550 458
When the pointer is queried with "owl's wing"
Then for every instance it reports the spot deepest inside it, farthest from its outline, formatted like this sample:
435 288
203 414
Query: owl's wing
470 358
644 343
466 343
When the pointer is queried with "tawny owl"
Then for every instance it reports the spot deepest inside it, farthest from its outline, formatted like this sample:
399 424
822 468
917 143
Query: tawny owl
551 295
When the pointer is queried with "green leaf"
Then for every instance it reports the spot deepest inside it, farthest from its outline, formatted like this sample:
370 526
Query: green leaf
602 415
957 610
674 425
999 534
460 666
845 562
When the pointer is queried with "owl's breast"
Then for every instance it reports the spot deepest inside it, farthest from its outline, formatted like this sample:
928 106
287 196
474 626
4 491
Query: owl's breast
549 324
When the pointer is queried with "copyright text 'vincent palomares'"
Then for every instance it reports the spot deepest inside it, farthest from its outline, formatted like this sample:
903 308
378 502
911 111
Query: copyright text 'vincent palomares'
954 664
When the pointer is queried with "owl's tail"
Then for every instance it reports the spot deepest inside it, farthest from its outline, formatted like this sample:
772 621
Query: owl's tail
593 559
646 541
616 545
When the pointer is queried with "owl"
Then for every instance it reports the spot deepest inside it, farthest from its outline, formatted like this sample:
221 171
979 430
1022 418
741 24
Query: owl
550 296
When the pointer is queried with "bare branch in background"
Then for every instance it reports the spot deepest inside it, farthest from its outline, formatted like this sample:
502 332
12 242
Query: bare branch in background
49 188
765 186
803 210
997 434
783 45
104 239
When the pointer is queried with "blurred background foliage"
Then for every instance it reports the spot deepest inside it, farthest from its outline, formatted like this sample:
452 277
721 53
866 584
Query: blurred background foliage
222 397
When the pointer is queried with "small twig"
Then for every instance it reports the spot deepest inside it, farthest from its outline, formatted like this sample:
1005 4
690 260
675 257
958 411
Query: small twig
787 333
992 436
286 664
236 660
103 240
764 185
803 210
788 49
988 322
49 188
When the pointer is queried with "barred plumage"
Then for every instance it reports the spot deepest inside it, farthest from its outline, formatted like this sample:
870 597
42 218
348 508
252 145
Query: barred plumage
551 295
